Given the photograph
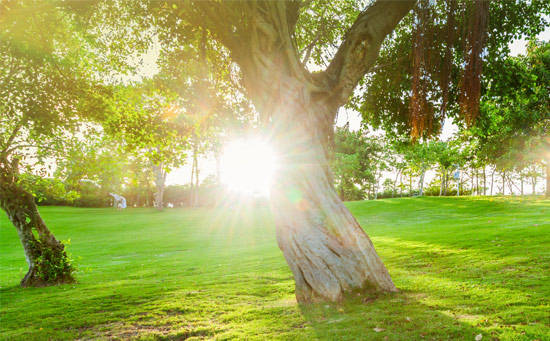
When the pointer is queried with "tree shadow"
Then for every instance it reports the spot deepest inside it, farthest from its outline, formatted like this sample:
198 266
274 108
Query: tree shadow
395 316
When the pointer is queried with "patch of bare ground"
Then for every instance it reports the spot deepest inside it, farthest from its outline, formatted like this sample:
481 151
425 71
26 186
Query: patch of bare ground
138 330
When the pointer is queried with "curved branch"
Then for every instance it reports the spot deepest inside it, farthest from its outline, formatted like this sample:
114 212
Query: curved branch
359 50
9 141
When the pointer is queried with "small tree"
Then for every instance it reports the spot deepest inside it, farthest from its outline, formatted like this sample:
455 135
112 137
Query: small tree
149 121
44 87
357 164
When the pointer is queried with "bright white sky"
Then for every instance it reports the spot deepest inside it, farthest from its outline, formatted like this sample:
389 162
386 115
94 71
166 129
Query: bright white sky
207 165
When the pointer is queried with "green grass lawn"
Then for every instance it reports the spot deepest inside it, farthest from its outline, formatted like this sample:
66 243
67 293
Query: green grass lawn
464 266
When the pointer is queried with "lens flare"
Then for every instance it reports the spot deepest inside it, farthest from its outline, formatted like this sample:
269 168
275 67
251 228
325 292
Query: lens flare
248 166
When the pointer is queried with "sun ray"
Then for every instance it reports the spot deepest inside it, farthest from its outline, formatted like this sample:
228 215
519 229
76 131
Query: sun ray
248 166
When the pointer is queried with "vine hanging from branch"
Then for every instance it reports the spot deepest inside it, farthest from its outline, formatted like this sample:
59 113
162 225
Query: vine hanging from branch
477 15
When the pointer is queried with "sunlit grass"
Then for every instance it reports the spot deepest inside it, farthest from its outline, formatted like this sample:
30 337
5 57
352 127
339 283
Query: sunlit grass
464 266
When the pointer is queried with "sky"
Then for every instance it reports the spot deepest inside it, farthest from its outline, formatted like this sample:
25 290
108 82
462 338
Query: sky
207 165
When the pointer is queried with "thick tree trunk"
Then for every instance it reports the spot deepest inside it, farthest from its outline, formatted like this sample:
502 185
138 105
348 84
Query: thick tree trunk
326 249
48 262
548 178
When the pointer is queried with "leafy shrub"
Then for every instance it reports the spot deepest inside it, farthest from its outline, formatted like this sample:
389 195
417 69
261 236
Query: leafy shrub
48 191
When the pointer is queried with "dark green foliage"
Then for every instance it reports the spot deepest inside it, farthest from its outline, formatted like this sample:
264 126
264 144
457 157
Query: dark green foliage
385 103
53 265
516 107
357 163
49 191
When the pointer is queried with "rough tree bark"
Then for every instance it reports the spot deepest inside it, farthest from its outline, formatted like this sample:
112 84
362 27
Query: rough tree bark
327 250
46 256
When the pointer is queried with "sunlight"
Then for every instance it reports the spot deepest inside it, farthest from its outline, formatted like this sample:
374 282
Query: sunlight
248 166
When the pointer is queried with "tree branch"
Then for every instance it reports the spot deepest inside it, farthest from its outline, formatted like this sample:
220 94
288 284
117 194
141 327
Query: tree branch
220 18
293 12
12 136
308 49
359 50
37 146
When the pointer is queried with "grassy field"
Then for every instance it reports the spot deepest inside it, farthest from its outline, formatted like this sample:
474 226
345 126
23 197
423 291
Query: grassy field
464 267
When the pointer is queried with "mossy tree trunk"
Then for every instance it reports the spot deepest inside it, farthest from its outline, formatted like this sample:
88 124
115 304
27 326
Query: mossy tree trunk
46 256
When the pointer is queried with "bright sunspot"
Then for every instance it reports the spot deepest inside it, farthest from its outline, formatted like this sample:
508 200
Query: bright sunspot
248 166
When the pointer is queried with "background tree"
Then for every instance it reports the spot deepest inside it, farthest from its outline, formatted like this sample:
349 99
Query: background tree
420 157
515 118
424 73
357 163
93 166
149 121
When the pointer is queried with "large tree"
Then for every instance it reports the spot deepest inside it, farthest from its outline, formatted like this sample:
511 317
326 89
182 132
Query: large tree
327 250
298 62
276 44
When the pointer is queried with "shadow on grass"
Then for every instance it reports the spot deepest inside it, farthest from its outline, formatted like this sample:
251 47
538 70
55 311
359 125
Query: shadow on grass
396 316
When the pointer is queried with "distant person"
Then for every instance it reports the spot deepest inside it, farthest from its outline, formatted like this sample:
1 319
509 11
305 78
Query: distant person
119 201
